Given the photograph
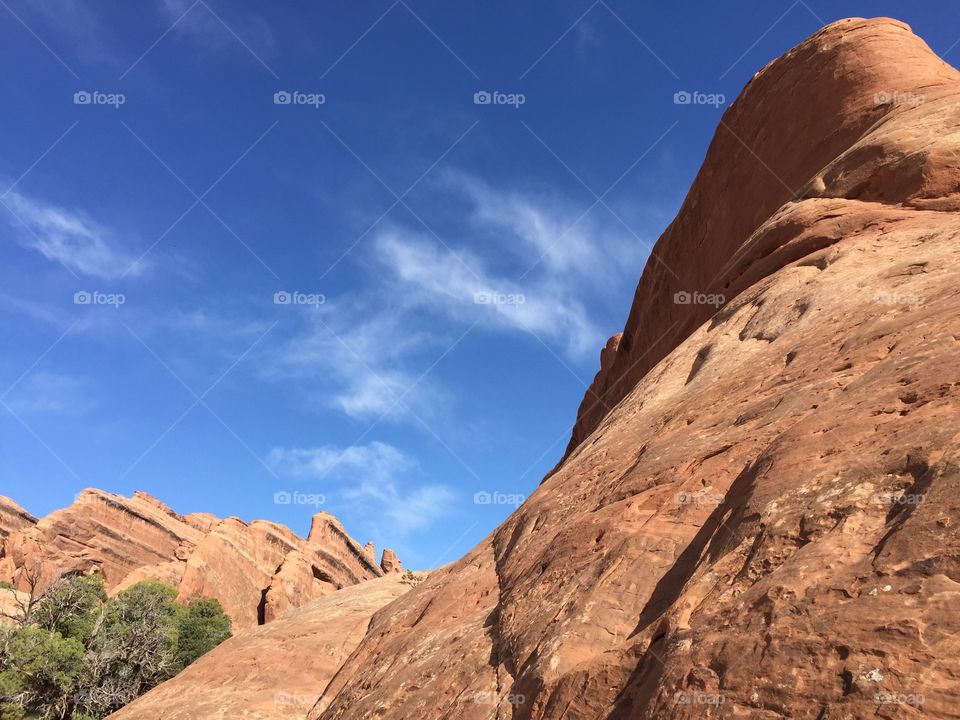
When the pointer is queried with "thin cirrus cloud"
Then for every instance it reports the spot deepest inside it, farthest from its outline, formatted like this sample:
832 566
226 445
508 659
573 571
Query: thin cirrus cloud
367 354
561 261
554 239
359 358
50 393
69 237
373 472
458 286
208 26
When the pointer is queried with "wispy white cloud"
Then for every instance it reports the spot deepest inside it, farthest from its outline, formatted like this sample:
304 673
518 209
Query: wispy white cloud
567 259
68 236
359 358
375 462
372 473
364 354
201 22
43 392
459 286
550 231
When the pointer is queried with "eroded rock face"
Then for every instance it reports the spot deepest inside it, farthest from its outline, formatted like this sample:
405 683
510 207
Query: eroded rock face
765 526
13 517
272 672
796 116
389 562
259 571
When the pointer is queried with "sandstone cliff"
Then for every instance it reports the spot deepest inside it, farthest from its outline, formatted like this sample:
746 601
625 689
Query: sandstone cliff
13 517
757 514
276 671
259 571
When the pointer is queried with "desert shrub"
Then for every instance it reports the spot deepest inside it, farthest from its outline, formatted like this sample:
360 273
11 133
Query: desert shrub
41 673
202 627
71 607
83 656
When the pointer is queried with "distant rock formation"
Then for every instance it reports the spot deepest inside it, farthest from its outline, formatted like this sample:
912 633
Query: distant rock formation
389 562
259 571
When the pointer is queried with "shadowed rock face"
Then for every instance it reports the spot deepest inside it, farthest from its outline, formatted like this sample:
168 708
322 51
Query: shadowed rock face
13 517
758 518
277 671
259 571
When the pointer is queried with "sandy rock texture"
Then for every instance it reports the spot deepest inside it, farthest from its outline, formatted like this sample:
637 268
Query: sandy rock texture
13 517
276 671
757 516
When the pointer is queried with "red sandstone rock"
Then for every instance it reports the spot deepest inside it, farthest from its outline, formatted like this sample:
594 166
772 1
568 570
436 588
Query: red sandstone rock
769 149
389 562
13 517
258 571
272 672
758 517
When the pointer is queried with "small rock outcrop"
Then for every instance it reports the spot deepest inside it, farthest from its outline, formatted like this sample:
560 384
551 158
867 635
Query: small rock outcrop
389 562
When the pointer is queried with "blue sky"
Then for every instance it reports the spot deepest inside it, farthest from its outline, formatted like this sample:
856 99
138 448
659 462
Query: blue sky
452 266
